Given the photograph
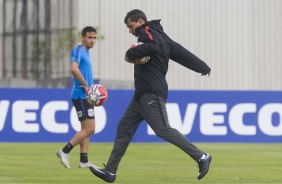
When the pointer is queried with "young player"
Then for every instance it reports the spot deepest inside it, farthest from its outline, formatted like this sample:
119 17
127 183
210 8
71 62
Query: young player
81 68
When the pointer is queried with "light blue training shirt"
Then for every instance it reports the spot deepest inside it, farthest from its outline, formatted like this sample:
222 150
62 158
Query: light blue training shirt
81 55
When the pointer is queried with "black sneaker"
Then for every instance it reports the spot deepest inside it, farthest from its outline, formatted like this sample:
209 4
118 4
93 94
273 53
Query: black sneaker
204 164
104 174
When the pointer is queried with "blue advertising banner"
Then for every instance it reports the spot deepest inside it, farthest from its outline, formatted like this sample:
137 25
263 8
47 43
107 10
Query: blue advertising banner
47 115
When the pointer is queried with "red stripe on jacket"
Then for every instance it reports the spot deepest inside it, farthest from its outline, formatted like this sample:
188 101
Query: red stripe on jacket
148 33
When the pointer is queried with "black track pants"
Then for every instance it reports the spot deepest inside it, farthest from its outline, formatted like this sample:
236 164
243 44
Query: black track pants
153 109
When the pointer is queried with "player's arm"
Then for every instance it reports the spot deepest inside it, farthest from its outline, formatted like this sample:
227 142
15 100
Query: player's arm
184 57
77 74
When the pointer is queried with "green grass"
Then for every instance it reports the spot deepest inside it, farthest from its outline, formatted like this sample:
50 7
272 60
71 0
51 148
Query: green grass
143 164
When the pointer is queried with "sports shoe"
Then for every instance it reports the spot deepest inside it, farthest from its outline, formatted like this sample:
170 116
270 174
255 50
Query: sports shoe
64 158
85 165
104 174
204 164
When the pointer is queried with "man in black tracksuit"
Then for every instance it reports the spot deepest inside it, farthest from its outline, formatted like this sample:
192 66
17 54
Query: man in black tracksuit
149 101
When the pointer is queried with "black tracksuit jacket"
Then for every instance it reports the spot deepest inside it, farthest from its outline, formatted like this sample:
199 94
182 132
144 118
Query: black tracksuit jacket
150 77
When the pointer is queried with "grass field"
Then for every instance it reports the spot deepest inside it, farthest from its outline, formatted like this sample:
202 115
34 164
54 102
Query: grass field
143 164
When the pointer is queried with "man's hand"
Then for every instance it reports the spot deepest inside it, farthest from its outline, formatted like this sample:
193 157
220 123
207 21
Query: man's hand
84 86
205 74
126 58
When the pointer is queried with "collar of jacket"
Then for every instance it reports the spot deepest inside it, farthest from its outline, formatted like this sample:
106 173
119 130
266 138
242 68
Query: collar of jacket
153 23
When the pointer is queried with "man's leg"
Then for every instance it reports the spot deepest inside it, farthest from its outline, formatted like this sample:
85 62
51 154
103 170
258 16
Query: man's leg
78 138
154 111
125 132
86 117
84 133
84 145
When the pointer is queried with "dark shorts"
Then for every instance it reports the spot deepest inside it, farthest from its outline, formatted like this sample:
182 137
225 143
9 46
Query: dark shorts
83 109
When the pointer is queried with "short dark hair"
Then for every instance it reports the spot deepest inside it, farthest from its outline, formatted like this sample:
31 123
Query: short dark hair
88 29
134 15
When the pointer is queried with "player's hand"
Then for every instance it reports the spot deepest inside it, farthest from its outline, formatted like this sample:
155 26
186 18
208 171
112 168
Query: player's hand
84 86
205 74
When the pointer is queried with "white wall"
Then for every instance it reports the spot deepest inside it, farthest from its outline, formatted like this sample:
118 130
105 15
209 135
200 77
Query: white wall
240 39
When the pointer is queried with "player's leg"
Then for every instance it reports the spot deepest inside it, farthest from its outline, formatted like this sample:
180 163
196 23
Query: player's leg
125 132
84 133
86 116
87 121
84 153
154 111
84 145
